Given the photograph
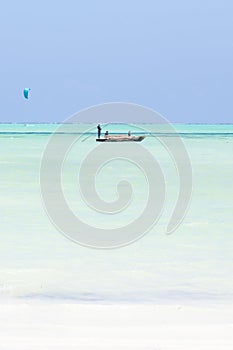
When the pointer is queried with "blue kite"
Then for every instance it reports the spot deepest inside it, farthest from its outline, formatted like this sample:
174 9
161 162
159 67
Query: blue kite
26 92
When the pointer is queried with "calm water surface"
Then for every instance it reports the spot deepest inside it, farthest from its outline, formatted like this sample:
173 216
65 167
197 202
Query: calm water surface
195 263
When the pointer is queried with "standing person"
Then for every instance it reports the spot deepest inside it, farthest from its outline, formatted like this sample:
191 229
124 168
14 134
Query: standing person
99 130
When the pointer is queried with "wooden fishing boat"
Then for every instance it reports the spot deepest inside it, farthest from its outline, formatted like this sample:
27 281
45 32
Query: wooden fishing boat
121 138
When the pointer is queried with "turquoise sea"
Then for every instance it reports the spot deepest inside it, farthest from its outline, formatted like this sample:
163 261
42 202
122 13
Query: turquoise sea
193 264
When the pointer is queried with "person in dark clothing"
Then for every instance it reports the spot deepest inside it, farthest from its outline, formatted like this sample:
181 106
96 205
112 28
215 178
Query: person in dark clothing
99 130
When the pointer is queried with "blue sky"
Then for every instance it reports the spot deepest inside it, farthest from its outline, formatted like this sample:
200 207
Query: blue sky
173 56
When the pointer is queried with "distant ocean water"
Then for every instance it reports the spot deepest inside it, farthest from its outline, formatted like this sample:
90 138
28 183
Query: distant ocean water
193 264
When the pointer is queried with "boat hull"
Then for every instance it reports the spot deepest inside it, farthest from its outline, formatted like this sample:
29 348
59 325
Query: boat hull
122 139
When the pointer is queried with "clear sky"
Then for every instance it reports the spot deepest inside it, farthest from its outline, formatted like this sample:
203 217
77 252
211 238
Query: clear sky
175 56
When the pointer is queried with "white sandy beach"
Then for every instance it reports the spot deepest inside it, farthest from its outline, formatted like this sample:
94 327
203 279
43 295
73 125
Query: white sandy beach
60 326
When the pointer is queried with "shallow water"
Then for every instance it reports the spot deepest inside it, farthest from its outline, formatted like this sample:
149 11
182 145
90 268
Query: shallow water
194 263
